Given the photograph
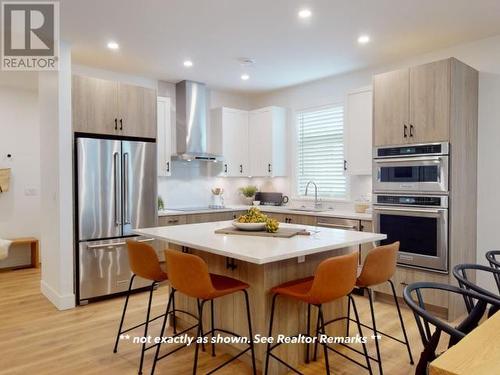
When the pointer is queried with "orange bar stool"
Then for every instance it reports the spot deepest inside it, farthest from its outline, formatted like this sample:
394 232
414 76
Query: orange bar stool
144 263
379 267
188 274
334 278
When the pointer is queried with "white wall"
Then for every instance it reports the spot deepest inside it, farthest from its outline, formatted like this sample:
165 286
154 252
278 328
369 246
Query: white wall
488 237
56 165
483 55
20 137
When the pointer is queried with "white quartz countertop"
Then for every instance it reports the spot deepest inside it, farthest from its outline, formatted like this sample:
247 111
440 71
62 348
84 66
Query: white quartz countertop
258 250
340 213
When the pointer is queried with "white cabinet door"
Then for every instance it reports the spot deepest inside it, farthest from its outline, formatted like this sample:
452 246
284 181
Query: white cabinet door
359 132
267 142
235 142
260 145
164 140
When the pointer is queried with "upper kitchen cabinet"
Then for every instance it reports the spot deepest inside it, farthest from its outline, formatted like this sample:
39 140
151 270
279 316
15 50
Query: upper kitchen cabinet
391 107
359 109
413 105
430 102
164 137
267 142
111 108
137 107
94 105
231 129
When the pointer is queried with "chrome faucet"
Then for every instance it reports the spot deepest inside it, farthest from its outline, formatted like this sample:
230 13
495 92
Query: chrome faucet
317 204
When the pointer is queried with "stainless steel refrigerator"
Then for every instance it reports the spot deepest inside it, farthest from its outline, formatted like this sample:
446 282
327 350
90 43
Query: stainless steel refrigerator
116 193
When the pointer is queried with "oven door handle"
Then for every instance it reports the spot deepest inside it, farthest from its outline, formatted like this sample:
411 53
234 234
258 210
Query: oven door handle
398 209
434 159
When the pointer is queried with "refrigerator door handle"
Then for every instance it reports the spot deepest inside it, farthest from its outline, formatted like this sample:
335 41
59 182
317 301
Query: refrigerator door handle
126 193
116 176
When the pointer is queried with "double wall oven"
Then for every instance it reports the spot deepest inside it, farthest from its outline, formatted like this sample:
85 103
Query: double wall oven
410 186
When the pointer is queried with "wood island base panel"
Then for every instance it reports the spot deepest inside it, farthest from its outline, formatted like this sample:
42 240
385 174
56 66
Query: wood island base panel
290 316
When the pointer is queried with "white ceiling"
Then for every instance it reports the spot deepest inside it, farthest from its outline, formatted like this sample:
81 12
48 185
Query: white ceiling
156 36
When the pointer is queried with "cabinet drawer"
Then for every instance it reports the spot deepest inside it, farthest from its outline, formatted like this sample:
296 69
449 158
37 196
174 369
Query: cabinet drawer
405 276
338 223
171 220
301 219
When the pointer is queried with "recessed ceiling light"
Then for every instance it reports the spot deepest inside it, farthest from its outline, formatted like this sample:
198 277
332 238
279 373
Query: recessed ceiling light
245 77
363 39
113 45
305 13
188 63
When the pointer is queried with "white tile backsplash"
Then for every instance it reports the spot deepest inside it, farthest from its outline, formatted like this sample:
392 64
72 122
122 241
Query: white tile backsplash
191 183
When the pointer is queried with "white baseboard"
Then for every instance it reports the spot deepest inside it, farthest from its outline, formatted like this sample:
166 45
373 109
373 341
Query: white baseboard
62 302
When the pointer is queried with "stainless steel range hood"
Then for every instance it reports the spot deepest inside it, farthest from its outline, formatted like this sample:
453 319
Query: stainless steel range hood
191 122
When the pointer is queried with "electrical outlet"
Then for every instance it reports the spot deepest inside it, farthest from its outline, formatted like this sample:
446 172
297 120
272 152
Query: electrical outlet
31 192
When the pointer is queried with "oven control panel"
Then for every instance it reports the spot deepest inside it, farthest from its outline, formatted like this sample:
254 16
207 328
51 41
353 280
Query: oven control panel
413 150
412 200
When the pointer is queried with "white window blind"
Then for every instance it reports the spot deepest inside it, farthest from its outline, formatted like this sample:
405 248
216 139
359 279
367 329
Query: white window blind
320 151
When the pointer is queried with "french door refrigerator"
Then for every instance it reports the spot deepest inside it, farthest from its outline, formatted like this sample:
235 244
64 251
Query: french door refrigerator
116 193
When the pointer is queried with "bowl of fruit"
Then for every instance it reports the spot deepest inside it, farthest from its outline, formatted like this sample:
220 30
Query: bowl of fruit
255 220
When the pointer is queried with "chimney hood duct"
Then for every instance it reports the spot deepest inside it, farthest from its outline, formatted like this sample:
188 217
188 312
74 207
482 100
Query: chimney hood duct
191 122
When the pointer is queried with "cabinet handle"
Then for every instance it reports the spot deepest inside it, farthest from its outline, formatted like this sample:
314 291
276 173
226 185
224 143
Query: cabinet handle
269 168
411 130
241 168
345 165
116 124
121 124
168 166
173 221
225 168
405 129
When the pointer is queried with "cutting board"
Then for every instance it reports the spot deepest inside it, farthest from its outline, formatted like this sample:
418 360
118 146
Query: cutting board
282 232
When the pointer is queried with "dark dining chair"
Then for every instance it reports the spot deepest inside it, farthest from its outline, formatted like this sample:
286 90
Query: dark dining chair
462 273
425 320
493 258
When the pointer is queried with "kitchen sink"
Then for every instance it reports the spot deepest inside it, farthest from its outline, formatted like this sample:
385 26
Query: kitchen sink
309 209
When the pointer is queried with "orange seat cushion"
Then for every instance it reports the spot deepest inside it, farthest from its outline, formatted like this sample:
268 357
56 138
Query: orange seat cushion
297 289
225 285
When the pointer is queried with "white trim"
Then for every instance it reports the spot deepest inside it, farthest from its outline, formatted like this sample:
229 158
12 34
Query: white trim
65 302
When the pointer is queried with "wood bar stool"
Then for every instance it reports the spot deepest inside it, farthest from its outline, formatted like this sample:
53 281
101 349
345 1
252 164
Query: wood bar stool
379 267
334 278
144 263
188 274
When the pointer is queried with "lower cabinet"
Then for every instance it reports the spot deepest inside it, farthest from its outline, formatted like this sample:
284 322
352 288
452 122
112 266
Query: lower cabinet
300 219
165 221
405 276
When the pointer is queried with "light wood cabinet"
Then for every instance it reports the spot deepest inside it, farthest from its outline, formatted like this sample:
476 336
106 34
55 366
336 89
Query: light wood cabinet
137 115
94 105
430 102
164 221
391 107
412 105
405 276
300 219
111 108
209 217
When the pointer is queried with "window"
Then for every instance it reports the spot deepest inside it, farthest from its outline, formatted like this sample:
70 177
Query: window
320 151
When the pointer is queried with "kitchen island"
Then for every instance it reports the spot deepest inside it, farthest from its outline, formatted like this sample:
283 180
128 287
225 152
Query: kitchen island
263 262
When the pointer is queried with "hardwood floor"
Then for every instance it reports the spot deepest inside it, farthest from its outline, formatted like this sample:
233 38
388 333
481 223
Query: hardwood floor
36 338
